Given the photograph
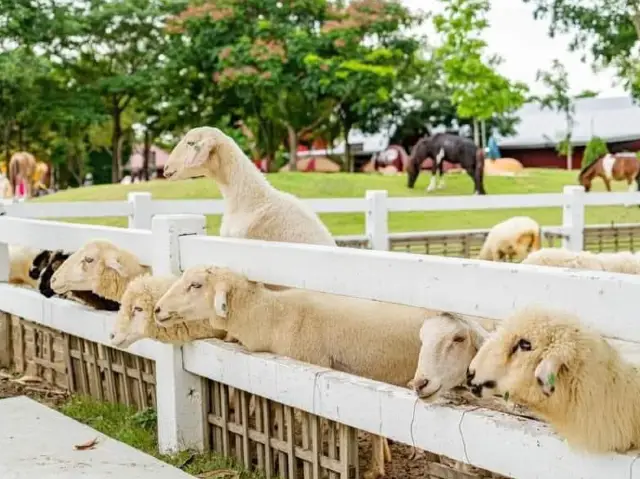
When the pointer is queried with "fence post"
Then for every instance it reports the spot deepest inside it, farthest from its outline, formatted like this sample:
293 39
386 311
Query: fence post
573 218
376 221
179 393
141 210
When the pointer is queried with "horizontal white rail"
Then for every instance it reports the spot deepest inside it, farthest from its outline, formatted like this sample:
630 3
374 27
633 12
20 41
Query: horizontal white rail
67 316
482 437
451 284
451 203
70 237
72 209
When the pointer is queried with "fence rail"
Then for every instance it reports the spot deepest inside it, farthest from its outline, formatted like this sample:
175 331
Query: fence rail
140 208
481 437
502 443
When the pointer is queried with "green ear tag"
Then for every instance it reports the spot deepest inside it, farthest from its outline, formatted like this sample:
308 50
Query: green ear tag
506 396
551 379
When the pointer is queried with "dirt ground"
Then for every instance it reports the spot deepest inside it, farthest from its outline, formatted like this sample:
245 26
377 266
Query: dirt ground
405 464
10 386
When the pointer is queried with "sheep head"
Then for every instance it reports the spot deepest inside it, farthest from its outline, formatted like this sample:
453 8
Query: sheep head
449 343
39 263
135 320
201 293
97 262
55 261
528 358
197 154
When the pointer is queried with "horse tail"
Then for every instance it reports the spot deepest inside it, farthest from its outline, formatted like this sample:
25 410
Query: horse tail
480 159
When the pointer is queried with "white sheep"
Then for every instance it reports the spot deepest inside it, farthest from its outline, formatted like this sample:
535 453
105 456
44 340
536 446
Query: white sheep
448 344
561 257
253 209
100 267
511 238
309 326
20 261
135 318
624 262
567 374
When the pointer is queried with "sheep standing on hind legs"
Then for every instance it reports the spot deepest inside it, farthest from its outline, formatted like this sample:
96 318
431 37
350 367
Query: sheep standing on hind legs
253 208
565 373
313 327
514 237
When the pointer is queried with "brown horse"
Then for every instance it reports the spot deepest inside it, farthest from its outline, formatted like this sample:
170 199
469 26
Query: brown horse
617 167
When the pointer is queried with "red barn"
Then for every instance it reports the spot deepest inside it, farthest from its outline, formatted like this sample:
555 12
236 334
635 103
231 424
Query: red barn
616 120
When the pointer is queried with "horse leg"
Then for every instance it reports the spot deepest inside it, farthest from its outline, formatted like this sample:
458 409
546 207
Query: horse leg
434 169
607 183
440 162
631 187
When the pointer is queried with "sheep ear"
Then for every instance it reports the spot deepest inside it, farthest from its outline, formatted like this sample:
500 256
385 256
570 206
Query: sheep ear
547 373
478 333
198 152
112 261
220 300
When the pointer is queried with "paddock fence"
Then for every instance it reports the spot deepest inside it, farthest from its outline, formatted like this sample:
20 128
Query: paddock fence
308 418
573 233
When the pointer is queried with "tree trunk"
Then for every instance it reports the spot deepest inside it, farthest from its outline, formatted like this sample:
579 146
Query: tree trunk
147 154
476 132
483 124
116 134
293 147
569 154
349 164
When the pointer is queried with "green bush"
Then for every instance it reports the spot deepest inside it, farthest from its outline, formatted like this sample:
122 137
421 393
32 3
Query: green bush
595 149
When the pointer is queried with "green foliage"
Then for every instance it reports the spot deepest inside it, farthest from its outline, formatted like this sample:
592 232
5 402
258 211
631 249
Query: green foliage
556 80
607 30
480 92
596 148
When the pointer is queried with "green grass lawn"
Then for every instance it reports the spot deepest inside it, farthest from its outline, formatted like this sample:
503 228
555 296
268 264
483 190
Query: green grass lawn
138 429
344 185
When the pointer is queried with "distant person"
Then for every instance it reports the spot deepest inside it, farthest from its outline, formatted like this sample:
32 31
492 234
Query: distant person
88 180
493 151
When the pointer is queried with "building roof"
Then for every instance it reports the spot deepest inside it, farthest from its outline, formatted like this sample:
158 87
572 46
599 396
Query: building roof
614 119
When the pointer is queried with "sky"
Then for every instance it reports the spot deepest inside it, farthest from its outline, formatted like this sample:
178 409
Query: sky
525 46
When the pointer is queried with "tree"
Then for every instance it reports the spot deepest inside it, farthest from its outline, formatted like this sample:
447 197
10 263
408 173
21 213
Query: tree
556 80
596 148
607 29
334 64
117 45
480 92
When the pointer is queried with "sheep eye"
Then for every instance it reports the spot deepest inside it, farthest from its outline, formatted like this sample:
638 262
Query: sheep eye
195 286
458 339
523 344
87 259
137 309
191 143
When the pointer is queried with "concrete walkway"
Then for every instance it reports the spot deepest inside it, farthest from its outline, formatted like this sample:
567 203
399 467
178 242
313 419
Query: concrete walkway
38 442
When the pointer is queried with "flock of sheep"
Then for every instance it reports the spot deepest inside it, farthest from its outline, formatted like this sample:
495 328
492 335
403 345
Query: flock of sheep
543 360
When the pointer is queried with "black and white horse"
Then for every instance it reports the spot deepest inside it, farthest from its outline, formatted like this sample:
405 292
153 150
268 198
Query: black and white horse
453 148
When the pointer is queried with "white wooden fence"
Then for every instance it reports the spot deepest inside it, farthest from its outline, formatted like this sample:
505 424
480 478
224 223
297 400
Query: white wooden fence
140 208
488 439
